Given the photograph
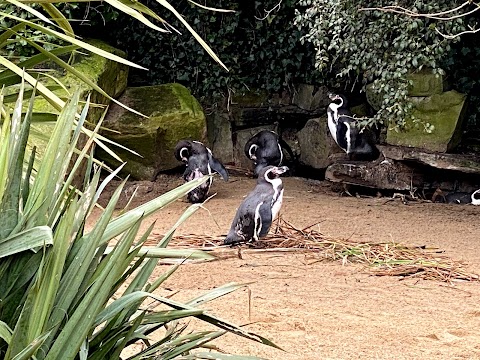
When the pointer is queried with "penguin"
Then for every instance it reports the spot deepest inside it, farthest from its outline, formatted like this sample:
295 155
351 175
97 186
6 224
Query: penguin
344 131
199 162
457 197
265 148
261 206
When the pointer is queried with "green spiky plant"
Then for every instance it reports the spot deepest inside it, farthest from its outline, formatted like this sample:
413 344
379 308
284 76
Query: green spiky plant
60 284
44 24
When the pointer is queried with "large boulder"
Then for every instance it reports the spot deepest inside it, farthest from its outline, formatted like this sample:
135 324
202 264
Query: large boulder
308 97
316 144
219 130
425 83
172 114
443 111
109 75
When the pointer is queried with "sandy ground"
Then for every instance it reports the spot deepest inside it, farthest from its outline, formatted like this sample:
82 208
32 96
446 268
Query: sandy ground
322 309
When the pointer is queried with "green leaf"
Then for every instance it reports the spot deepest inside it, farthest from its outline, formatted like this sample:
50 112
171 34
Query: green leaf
30 239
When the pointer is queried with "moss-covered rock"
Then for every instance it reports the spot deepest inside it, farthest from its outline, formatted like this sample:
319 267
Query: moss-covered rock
173 114
374 98
107 74
425 83
443 111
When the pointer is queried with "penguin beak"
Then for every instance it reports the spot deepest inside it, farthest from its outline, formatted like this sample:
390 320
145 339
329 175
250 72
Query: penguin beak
333 96
280 170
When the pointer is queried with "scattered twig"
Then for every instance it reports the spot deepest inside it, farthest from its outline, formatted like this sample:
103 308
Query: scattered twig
382 259
267 12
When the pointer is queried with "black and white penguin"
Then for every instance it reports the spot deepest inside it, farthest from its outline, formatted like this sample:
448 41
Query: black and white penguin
265 148
457 197
200 162
257 211
347 135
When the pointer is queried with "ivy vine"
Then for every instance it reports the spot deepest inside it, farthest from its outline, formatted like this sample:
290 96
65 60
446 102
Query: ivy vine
355 46
259 43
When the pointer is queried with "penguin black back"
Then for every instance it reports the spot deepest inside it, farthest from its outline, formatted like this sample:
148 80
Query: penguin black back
265 148
199 162
261 206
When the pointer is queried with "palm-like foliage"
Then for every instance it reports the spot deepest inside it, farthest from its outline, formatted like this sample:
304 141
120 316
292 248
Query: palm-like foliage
57 280
48 20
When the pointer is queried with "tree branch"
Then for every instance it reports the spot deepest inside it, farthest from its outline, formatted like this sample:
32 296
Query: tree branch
435 16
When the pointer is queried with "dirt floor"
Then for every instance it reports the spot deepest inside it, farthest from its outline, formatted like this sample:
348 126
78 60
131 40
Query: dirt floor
323 309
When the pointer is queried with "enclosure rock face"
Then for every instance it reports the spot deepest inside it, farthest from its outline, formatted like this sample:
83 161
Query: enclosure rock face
315 144
220 136
445 112
173 114
309 98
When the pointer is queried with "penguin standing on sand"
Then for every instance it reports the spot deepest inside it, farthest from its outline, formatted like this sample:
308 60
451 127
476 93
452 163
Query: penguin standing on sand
265 148
256 213
344 131
200 162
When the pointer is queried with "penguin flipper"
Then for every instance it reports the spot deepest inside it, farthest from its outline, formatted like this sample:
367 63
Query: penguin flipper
266 216
287 147
218 167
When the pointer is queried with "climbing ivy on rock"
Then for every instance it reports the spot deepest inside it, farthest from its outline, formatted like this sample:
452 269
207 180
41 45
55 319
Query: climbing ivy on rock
259 43
355 46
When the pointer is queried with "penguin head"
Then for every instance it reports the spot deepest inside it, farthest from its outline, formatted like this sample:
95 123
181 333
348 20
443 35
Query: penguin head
476 197
339 100
183 150
186 148
270 173
252 152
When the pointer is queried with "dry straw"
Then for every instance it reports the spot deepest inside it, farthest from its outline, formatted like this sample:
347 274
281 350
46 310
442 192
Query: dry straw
385 258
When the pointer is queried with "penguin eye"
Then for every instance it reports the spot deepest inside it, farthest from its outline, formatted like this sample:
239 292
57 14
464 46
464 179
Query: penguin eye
271 175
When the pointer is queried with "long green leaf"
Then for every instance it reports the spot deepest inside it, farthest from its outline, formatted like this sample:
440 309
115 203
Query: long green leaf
162 317
58 17
30 239
123 222
5 140
216 293
10 205
70 69
118 306
133 13
74 41
207 48
154 252
218 322
30 349
217 356
5 332
80 322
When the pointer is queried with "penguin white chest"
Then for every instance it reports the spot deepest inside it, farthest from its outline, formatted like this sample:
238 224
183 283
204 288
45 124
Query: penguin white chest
277 204
332 120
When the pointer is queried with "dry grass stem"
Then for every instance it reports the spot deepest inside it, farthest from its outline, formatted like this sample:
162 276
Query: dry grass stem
382 259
